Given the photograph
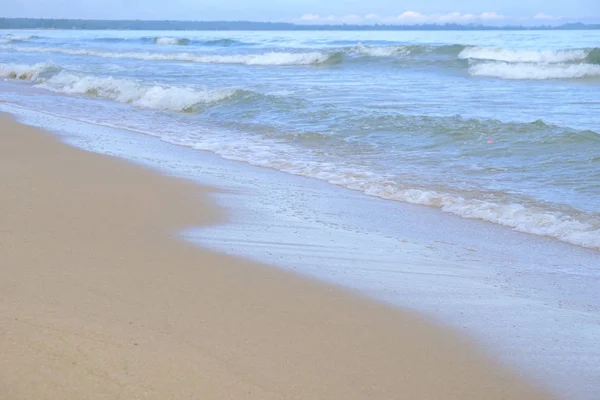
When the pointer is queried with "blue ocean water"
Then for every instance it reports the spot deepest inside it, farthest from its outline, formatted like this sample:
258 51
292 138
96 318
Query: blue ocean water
498 126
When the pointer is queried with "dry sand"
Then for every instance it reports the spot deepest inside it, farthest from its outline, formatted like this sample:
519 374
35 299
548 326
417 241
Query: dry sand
99 299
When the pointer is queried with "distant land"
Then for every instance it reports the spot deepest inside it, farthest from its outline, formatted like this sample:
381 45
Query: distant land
40 23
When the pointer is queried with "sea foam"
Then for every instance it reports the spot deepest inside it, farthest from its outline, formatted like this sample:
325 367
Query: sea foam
576 228
160 97
534 71
27 72
9 38
171 41
522 56
269 58
380 51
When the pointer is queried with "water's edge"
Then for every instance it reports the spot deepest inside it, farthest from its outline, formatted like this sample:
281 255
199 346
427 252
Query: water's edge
530 307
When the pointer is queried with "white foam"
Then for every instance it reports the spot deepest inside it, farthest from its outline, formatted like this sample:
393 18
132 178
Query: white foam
535 71
15 38
26 72
173 98
576 228
170 41
380 51
131 92
271 58
533 56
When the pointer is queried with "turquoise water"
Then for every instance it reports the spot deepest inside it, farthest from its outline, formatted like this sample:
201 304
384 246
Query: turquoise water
498 126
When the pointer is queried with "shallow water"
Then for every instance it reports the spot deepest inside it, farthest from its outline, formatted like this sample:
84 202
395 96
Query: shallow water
530 301
499 126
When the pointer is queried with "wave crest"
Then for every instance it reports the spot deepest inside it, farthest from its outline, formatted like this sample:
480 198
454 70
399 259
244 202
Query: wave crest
535 71
582 229
159 97
171 41
28 72
9 38
221 42
270 58
593 56
522 56
405 50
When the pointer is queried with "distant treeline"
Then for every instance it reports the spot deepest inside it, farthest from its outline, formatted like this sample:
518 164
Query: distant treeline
40 23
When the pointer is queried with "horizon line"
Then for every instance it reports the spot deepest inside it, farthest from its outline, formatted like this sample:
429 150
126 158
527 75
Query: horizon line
470 26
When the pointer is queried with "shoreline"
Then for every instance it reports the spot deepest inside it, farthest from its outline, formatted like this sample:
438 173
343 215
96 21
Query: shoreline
525 308
109 299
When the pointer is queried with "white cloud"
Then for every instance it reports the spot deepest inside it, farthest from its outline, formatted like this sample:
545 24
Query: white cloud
406 18
318 18
544 16
410 15
310 17
491 16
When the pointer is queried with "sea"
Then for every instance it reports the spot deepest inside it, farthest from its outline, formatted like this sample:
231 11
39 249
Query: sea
456 173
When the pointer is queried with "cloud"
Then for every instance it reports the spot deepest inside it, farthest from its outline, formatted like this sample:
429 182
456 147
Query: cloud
544 16
410 15
405 18
491 16
345 19
318 18
310 17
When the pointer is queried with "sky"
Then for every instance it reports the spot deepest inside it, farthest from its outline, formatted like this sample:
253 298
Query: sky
487 12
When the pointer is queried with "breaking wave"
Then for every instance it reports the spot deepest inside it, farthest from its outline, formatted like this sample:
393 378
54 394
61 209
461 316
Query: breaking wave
480 61
159 97
223 42
295 155
521 56
270 58
571 226
170 41
452 50
531 64
535 71
9 38
28 72
173 41
465 52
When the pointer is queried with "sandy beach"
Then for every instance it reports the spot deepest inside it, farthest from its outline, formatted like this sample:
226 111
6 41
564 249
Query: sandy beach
100 299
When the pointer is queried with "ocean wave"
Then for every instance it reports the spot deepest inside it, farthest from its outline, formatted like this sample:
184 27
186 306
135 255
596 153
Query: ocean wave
404 50
10 38
534 71
171 41
301 154
575 227
478 54
523 56
28 72
222 42
593 56
379 51
159 97
270 58
459 129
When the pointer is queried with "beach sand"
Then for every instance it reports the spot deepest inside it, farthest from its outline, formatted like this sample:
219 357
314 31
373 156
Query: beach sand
100 299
